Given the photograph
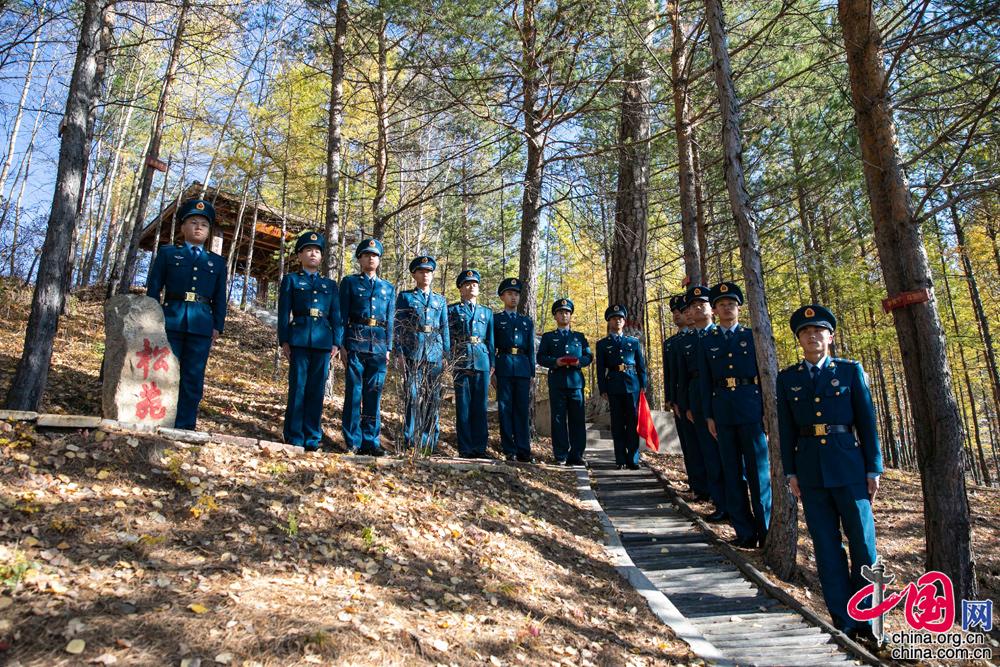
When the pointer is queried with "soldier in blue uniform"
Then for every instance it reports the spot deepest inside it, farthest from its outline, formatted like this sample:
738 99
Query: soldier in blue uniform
473 360
514 336
565 352
621 375
689 394
367 309
694 465
309 332
731 401
192 282
422 343
831 457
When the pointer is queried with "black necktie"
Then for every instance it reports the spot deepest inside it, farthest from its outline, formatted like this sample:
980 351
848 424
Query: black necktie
815 375
196 251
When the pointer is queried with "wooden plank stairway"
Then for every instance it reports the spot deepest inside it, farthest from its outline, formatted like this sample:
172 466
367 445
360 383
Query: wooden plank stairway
733 621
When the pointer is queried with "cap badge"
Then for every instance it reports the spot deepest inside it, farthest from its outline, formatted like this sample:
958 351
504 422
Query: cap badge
809 312
312 237
200 206
724 288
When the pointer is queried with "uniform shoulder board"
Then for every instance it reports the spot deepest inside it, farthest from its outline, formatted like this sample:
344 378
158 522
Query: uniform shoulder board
457 303
789 369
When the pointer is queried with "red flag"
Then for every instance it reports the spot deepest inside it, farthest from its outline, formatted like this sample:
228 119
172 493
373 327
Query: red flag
645 428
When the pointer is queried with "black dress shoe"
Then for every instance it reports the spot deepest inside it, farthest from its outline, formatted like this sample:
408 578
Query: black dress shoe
716 516
619 467
376 451
632 466
701 496
525 459
510 458
560 462
467 455
745 543
575 462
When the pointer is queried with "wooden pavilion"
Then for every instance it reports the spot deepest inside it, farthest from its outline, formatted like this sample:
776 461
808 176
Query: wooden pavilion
266 238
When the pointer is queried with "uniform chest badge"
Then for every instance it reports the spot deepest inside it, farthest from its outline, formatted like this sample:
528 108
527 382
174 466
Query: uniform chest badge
796 388
714 349
743 343
835 382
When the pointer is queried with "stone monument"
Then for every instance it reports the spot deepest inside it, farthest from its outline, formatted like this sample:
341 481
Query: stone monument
141 373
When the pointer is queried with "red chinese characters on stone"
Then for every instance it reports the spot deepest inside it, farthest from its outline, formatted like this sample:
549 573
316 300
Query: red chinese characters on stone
155 355
150 402
926 609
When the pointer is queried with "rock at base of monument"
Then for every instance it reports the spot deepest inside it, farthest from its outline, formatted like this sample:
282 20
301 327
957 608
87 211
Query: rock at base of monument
126 427
18 415
271 448
183 435
68 421
141 373
238 440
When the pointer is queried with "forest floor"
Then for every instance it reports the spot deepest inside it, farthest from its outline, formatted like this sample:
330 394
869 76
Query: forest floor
127 550
899 527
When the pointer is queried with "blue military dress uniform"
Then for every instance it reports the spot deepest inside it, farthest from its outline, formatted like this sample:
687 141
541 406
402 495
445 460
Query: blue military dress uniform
514 337
566 384
689 397
694 464
309 321
192 284
367 310
473 357
829 442
730 392
621 375
423 340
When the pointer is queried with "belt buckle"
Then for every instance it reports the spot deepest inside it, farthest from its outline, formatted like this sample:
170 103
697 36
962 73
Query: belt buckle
474 339
730 383
621 367
819 429
190 296
426 328
513 350
314 312
372 322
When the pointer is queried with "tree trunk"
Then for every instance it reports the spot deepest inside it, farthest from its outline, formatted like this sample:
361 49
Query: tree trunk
78 123
531 198
685 150
627 285
331 261
382 145
25 87
977 308
936 420
250 245
153 153
781 546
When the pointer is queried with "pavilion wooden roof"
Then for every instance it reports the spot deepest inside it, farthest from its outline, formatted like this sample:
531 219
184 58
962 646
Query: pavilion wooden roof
267 239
